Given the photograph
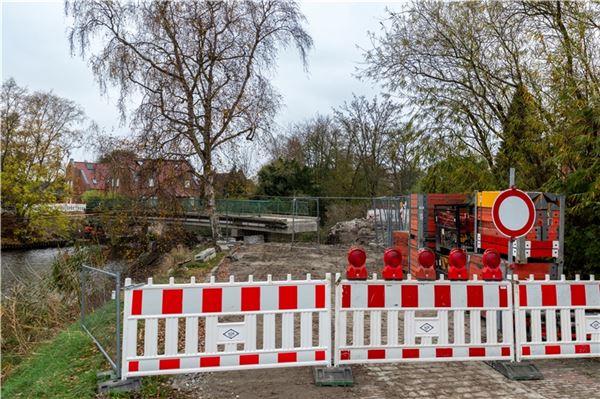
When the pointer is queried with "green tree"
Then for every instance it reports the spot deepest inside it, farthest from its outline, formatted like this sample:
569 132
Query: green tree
234 184
38 131
457 173
524 145
284 177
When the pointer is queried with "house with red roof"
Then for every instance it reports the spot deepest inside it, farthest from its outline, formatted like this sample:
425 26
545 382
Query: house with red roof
133 177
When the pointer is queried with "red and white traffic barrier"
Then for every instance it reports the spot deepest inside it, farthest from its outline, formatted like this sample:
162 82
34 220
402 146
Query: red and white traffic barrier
250 324
557 318
413 320
268 324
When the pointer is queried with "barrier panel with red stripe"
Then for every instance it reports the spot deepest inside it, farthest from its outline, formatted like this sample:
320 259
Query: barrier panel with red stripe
184 328
392 321
557 318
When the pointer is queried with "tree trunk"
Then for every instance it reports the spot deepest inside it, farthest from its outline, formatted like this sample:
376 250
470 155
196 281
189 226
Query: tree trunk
211 203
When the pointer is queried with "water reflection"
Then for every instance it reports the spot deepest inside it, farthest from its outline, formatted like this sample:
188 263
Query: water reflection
36 263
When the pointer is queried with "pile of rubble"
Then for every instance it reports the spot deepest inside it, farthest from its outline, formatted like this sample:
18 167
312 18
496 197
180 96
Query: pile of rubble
357 231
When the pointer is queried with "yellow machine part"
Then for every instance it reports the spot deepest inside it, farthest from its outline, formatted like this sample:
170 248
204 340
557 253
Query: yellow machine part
485 199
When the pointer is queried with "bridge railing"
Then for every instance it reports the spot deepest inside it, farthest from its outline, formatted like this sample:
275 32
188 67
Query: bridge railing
276 206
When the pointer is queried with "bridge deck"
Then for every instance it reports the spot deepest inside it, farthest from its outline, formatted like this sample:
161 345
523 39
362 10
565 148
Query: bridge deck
268 223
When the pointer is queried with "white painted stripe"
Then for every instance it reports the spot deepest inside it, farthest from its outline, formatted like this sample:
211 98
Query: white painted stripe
358 296
269 297
491 296
563 295
459 295
231 299
534 295
306 296
192 300
426 296
392 296
592 294
151 302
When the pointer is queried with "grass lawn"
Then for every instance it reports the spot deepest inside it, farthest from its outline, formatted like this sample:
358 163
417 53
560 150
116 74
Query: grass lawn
63 368
66 368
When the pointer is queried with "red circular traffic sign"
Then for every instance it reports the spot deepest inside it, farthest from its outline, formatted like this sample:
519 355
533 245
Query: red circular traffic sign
513 213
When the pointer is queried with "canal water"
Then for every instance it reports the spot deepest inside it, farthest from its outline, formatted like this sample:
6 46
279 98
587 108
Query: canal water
35 264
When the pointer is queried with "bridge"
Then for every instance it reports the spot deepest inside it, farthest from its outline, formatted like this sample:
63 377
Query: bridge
240 217
239 224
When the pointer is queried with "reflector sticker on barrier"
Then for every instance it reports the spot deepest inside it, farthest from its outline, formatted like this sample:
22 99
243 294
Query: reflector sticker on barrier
392 321
185 328
557 318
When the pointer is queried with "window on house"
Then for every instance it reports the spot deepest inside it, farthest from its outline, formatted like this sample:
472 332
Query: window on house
186 184
151 182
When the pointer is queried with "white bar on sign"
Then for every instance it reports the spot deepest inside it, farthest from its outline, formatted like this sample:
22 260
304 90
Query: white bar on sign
250 321
171 335
459 326
191 335
150 337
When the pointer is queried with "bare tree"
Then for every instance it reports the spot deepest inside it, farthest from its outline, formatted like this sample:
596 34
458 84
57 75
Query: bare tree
201 68
370 127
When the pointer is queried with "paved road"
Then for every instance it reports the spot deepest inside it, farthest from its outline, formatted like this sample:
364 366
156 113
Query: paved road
572 378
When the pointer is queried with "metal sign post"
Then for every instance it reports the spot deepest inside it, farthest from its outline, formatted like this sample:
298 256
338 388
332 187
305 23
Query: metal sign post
511 183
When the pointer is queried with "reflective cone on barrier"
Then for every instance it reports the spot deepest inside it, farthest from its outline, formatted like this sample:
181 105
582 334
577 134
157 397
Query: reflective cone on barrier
491 265
426 269
357 269
392 269
458 265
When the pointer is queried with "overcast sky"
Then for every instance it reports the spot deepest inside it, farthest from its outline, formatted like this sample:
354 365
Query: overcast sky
36 54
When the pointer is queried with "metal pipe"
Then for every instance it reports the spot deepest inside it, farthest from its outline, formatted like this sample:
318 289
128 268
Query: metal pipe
81 292
118 327
318 225
106 355
100 271
293 220
561 235
511 182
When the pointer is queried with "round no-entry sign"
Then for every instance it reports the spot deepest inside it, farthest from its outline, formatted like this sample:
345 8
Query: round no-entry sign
513 213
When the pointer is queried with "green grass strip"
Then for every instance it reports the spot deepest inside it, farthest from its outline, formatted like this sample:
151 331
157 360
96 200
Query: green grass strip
63 368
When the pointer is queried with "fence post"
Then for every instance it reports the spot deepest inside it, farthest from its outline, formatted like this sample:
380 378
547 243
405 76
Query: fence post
318 225
82 293
293 220
118 332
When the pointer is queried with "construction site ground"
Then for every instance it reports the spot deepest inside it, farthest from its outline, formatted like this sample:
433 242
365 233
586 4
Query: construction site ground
563 378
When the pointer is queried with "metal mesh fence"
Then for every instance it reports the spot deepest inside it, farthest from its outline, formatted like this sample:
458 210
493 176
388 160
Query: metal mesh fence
101 305
339 222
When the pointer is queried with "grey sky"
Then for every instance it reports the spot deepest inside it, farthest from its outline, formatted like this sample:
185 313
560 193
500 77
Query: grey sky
35 52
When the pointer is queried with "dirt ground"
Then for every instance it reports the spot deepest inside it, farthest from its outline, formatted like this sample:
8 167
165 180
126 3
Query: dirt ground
564 378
